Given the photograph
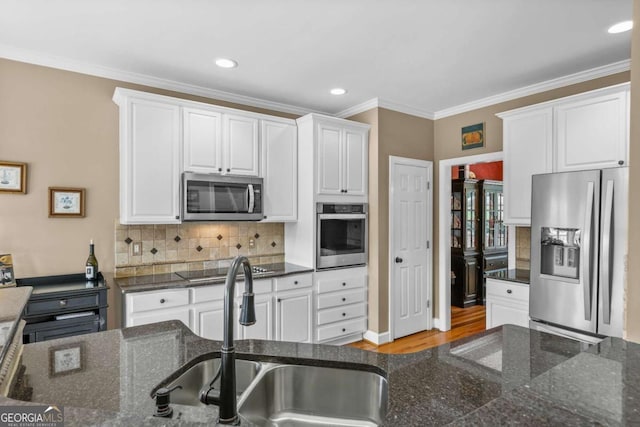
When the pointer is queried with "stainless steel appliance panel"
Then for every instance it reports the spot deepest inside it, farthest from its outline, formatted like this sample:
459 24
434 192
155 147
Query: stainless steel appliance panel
613 250
564 243
341 235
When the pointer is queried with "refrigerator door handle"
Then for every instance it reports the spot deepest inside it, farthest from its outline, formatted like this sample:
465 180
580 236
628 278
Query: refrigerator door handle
605 253
587 260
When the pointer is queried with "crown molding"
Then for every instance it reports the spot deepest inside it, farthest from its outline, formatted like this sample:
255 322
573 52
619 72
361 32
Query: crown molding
582 76
38 58
384 103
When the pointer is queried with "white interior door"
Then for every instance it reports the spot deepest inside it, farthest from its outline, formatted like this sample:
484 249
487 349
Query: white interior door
410 253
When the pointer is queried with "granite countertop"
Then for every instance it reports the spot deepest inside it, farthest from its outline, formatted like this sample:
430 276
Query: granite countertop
514 275
172 280
12 302
505 375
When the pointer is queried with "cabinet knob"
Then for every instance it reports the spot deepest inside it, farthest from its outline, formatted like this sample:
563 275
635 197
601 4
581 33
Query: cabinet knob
344 283
279 299
509 291
621 162
219 169
295 282
344 314
177 216
162 301
228 170
63 303
344 330
344 299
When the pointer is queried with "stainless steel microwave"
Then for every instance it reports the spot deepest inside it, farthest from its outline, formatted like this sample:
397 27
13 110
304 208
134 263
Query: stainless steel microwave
210 197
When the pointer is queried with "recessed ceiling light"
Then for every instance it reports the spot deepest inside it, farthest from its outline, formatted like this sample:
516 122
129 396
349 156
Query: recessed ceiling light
338 91
621 27
226 63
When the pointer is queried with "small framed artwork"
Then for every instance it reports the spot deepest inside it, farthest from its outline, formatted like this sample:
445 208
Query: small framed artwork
473 136
7 278
66 359
66 202
13 177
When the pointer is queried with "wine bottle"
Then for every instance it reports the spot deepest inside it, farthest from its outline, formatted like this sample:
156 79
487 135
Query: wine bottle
91 270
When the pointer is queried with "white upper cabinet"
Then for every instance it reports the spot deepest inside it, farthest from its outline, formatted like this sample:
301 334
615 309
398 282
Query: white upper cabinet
202 133
527 151
240 145
150 159
279 142
341 159
216 142
585 131
592 132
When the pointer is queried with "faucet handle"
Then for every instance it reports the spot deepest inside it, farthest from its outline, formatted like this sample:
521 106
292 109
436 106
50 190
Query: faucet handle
247 310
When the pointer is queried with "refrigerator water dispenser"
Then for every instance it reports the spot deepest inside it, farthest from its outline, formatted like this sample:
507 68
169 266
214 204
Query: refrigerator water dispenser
560 252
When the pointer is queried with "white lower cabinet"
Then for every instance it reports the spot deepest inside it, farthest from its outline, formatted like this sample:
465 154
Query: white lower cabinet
293 316
158 306
507 303
263 328
209 320
341 314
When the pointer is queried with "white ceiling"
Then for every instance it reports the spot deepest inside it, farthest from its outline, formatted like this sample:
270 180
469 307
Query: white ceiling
424 55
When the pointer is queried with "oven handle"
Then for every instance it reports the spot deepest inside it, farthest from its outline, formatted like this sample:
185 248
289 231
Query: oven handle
251 197
342 216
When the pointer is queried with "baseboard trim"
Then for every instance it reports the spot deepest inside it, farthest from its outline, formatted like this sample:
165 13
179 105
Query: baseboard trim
436 323
377 338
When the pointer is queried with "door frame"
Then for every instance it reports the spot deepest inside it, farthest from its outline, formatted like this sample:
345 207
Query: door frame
444 224
393 162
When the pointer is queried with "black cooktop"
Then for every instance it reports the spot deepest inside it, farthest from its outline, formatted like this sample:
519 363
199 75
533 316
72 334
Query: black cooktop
218 273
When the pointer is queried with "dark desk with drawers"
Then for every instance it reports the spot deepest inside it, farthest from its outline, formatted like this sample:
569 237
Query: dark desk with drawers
63 306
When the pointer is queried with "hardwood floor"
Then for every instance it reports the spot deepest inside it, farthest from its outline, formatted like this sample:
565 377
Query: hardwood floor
464 322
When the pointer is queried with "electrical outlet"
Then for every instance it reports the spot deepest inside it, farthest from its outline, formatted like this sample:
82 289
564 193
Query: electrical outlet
252 243
136 248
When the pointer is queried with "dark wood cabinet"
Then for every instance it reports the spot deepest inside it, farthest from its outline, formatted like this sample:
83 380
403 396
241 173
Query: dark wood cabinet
63 306
478 237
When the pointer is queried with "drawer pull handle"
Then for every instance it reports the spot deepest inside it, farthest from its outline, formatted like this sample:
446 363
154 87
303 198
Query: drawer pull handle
344 329
344 283
162 301
63 303
295 282
344 314
344 299
509 291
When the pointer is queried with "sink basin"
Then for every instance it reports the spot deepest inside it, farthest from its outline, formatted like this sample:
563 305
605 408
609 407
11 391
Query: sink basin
292 395
201 374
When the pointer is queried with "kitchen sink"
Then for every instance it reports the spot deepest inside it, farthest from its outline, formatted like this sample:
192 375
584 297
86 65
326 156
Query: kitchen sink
293 395
201 374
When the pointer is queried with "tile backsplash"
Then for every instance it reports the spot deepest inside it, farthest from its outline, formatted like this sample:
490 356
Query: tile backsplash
523 247
195 246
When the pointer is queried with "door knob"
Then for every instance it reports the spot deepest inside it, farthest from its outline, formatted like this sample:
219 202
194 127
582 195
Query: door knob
398 260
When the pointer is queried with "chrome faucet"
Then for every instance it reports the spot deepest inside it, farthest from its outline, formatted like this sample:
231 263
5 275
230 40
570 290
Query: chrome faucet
225 398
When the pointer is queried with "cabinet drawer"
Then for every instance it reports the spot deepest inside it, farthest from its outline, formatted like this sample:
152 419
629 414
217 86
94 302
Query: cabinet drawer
154 300
293 282
207 293
498 262
260 286
340 298
330 315
337 284
49 331
337 330
61 304
508 290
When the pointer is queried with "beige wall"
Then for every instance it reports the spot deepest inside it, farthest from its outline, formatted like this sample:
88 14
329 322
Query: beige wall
65 126
401 135
447 137
632 303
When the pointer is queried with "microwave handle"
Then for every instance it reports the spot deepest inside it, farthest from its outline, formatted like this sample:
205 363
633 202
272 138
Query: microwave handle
251 198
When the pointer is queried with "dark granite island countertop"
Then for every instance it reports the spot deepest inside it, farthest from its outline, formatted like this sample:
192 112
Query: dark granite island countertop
513 275
497 377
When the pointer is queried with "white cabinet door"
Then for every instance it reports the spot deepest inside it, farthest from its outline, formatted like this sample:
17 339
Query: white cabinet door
209 320
527 146
241 144
503 312
356 162
293 316
263 328
149 162
202 134
330 160
280 171
592 133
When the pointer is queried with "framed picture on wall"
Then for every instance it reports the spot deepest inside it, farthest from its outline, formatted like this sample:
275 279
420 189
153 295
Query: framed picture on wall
473 136
13 177
66 202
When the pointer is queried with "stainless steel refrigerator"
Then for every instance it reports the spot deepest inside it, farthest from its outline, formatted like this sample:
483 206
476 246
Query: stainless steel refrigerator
578 252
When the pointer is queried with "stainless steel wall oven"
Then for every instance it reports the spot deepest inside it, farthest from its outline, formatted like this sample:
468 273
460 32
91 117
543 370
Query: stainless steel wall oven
341 235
